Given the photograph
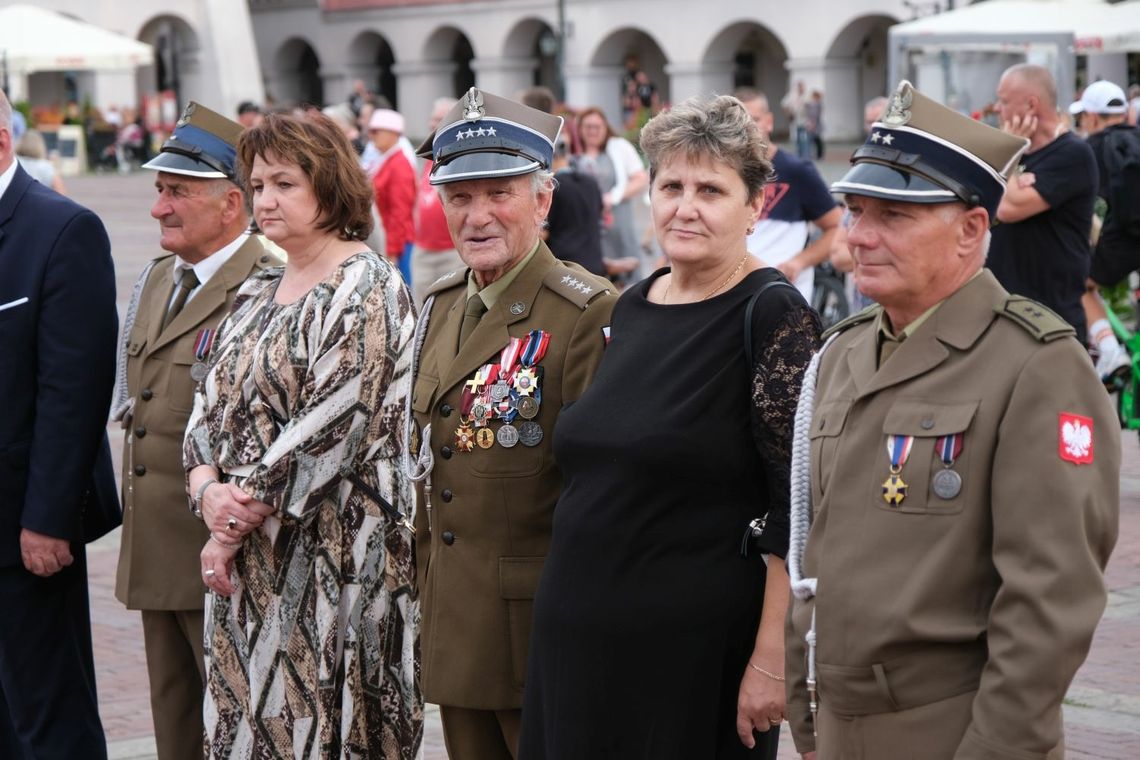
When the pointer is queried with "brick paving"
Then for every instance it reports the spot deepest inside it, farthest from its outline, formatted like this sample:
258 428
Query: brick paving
1102 712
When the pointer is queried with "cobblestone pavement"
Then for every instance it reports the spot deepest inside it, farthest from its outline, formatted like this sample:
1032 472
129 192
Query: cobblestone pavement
1102 713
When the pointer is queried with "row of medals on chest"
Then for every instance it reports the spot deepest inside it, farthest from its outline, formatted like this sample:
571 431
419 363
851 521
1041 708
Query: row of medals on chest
946 483
508 391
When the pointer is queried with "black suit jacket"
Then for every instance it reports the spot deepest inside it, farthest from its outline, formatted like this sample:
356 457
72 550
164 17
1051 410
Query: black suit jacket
57 367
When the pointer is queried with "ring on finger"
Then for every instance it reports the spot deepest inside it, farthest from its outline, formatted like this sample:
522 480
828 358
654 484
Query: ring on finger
209 573
231 523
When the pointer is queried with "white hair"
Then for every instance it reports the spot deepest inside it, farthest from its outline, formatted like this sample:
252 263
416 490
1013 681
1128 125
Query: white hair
541 181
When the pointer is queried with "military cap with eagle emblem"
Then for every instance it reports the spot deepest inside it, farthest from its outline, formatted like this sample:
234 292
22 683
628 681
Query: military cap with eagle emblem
920 151
203 144
485 136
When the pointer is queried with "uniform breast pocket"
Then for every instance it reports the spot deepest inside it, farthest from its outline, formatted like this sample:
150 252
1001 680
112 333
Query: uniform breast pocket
826 425
932 480
181 383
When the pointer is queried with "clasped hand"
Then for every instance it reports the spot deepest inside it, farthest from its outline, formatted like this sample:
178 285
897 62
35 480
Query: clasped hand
230 514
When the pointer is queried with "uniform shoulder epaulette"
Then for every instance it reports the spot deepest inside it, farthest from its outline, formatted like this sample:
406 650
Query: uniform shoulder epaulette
575 284
871 312
1036 319
449 280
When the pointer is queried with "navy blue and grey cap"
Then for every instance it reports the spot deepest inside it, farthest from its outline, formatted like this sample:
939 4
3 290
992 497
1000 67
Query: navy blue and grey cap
920 151
485 136
203 144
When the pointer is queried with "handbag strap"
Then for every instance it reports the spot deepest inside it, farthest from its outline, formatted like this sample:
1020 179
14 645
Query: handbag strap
748 316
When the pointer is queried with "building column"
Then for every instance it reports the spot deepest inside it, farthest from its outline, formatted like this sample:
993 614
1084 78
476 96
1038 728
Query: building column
504 76
420 83
687 80
839 81
335 84
596 86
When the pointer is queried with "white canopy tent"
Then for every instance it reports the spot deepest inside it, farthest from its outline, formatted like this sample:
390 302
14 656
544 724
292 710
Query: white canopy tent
960 54
33 40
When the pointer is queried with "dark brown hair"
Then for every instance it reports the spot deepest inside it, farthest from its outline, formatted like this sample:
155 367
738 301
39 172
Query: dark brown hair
316 145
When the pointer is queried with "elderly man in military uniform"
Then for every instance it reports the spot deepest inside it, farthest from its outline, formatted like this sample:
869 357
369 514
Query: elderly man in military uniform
177 304
506 343
958 462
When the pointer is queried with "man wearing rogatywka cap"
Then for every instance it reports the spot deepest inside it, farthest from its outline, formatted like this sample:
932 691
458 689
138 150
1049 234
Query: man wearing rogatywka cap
507 341
958 464
177 304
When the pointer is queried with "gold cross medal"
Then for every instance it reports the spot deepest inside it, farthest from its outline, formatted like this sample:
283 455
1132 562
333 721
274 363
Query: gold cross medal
894 487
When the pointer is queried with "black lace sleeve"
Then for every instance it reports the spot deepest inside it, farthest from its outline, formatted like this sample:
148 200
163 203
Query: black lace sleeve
784 344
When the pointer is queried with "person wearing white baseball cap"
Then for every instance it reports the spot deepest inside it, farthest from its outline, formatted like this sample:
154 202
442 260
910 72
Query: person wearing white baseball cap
1101 97
1116 249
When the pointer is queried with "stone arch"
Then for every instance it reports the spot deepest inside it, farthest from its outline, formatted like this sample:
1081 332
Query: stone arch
532 39
855 72
451 45
297 73
371 58
176 50
612 53
748 54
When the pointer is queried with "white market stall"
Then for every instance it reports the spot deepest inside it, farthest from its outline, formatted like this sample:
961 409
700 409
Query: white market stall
34 40
958 56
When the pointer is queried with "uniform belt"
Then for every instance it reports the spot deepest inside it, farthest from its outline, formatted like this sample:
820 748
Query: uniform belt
920 678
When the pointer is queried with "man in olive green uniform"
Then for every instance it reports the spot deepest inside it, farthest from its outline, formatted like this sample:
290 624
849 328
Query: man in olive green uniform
962 464
178 302
509 341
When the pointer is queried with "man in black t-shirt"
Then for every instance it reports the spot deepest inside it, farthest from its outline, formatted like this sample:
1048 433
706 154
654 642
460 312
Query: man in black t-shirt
573 231
1041 249
1117 252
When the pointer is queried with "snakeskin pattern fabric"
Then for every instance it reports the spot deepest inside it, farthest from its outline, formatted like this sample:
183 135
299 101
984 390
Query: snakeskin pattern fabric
316 654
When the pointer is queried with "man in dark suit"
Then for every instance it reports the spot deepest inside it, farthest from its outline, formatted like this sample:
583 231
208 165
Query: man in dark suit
57 486
202 216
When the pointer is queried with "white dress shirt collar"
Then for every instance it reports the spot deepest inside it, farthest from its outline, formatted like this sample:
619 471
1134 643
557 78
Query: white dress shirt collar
209 266
6 177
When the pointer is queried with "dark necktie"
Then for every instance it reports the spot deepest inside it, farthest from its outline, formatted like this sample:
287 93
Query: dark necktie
186 283
888 347
471 316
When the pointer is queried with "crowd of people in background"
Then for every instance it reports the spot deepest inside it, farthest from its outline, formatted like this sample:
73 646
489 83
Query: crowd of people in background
367 412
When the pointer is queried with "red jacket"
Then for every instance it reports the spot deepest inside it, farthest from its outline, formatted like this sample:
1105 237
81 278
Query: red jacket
395 187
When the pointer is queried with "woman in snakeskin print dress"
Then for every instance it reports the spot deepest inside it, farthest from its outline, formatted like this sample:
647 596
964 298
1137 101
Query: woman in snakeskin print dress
292 454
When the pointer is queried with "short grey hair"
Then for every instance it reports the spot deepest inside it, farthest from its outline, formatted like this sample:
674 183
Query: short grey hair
716 127
749 94
1037 78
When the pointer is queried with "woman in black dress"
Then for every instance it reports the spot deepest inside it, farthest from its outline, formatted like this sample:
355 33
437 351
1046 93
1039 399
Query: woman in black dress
655 635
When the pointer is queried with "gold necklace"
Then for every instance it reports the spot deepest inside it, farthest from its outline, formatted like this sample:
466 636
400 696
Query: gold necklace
718 288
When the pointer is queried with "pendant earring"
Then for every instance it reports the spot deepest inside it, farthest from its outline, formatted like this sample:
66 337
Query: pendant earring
751 229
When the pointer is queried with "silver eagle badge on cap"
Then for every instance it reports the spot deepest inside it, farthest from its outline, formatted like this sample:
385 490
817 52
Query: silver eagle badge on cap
185 118
473 105
898 109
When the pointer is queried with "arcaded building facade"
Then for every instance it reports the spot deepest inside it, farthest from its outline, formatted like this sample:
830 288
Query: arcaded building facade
414 51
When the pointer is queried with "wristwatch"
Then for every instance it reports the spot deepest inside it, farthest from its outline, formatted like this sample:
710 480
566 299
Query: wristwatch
196 501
